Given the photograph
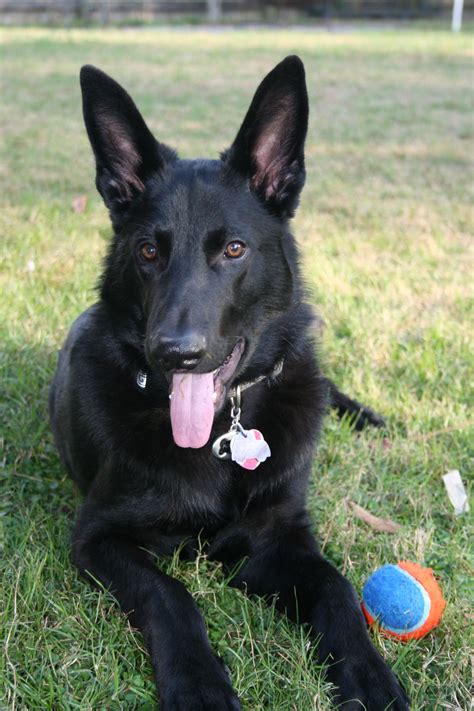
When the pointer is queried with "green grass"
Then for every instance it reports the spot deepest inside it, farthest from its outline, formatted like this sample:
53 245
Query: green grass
385 228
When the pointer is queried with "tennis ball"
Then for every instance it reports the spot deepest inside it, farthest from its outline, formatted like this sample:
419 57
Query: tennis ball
404 600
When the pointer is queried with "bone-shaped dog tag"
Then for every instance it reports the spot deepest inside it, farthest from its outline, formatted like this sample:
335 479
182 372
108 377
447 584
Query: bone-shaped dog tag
249 449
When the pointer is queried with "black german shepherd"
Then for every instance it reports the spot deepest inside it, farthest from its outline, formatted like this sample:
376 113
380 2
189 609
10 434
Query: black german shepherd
195 366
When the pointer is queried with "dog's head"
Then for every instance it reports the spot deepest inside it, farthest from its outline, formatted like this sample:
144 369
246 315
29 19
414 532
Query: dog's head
202 256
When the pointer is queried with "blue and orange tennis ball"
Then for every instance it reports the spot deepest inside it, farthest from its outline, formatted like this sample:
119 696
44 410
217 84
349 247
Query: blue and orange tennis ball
404 600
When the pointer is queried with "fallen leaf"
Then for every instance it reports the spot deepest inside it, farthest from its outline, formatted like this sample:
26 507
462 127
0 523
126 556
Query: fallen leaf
79 203
378 524
386 444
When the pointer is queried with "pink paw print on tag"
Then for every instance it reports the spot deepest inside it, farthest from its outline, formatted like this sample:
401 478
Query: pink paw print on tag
249 449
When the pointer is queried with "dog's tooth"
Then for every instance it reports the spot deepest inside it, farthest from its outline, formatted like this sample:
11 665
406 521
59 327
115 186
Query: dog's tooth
214 396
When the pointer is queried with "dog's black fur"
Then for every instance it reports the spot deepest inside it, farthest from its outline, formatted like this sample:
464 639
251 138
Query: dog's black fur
184 307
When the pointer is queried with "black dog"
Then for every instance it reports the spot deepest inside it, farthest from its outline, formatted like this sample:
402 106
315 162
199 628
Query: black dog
201 301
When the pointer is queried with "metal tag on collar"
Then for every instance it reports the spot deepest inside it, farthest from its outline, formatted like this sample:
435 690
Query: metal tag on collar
221 446
141 379
245 447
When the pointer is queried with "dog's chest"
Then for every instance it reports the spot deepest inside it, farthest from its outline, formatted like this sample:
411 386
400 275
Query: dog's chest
208 495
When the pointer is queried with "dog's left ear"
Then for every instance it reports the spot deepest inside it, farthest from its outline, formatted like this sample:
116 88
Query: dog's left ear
269 147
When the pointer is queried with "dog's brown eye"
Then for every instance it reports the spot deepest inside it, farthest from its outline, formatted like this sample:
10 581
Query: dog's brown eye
234 250
149 251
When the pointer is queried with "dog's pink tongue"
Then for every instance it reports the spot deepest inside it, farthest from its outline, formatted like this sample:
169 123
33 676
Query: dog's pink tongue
192 408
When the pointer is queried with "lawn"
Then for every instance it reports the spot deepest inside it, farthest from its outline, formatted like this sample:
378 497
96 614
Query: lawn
385 228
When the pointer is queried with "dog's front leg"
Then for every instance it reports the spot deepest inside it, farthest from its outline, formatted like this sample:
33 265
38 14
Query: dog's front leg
284 560
188 674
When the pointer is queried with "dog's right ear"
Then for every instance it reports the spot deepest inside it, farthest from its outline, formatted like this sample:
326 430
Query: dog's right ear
125 150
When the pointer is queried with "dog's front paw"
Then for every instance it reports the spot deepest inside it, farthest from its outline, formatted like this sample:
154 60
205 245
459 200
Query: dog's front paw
367 683
199 689
210 698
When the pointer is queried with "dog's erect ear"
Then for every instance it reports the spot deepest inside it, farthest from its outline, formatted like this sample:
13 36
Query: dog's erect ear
126 152
269 148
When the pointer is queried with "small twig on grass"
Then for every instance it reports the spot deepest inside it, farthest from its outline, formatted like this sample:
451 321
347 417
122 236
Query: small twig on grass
384 525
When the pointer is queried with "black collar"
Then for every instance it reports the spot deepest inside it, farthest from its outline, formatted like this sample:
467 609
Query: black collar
142 377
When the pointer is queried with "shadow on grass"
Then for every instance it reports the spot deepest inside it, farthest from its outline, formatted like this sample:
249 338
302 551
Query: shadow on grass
32 473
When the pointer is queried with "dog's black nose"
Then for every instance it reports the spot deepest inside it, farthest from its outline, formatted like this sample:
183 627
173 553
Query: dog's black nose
178 351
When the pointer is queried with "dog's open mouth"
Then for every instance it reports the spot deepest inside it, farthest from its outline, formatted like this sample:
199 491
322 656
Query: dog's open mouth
196 397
